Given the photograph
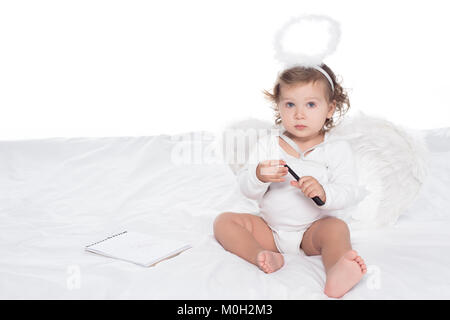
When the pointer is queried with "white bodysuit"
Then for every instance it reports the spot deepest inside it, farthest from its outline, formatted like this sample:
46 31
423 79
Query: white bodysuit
286 210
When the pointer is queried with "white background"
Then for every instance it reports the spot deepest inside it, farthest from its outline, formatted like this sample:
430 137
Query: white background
127 68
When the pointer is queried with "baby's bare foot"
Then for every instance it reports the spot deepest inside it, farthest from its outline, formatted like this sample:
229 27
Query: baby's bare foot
269 261
345 274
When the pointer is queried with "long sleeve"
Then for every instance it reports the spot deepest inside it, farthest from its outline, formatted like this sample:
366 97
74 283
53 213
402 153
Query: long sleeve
249 183
341 190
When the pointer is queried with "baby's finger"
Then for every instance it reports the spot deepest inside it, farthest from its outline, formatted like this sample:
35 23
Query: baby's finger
279 162
310 193
307 186
295 184
275 178
264 171
269 171
271 167
274 163
279 177
304 180
282 171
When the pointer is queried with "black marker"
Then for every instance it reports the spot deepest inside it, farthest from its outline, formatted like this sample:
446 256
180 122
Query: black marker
316 199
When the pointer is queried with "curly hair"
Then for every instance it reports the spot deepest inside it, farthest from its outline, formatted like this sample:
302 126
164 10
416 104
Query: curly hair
299 74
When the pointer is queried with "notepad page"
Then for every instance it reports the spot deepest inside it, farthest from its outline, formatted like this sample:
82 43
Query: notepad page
139 248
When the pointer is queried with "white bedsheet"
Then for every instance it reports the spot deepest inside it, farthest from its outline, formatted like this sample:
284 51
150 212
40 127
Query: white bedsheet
57 195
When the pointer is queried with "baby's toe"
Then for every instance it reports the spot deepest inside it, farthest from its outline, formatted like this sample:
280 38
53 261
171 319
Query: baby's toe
351 255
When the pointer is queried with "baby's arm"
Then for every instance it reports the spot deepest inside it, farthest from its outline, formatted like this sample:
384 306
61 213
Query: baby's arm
250 184
342 188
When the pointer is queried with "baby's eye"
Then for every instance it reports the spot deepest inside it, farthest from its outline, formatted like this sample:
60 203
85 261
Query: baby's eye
312 104
289 103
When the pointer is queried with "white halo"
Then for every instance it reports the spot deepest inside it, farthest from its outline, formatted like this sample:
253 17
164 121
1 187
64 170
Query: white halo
306 40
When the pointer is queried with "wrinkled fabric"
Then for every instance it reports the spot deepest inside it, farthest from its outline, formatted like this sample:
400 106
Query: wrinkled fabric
58 195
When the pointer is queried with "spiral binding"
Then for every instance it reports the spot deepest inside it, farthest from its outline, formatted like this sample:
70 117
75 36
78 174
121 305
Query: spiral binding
114 235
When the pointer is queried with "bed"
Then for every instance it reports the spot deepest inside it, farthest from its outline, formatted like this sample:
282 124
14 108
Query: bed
59 194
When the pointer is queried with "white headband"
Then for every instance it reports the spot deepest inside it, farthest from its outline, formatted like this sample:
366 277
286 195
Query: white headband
326 75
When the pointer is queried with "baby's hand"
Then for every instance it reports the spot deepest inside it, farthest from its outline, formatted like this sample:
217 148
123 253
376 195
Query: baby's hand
310 187
270 171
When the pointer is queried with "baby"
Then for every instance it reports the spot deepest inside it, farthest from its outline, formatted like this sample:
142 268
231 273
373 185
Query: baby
305 100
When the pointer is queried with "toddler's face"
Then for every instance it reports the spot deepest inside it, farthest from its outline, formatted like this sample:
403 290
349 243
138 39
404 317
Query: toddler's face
304 104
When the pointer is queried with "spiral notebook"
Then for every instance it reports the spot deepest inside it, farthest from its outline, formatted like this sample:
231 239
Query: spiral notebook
139 248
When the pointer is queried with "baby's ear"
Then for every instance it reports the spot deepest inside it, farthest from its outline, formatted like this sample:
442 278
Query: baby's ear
333 105
332 109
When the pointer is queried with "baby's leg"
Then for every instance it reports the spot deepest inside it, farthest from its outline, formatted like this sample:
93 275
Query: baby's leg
330 237
249 237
